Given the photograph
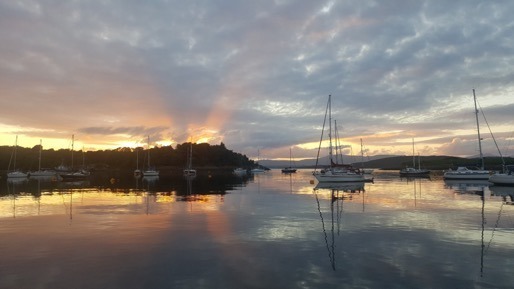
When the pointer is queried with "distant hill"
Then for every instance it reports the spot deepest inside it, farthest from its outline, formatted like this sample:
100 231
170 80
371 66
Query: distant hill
399 162
324 161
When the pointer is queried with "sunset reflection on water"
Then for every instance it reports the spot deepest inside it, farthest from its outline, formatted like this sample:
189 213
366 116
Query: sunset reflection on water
237 233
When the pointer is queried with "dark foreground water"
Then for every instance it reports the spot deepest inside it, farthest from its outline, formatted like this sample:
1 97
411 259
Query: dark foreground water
267 231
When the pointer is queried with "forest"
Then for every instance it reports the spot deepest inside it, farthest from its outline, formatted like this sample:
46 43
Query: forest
204 156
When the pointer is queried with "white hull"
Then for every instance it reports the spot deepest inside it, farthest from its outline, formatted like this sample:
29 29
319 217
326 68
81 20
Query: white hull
240 171
80 175
338 177
151 173
257 171
43 174
189 172
463 173
470 176
16 174
502 179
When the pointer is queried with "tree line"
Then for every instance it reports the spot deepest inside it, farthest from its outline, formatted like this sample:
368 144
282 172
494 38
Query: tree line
204 155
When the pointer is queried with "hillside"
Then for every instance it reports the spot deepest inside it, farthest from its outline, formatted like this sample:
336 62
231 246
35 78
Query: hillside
399 162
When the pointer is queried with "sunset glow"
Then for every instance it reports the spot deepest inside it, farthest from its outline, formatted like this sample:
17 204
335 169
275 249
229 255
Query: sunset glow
256 77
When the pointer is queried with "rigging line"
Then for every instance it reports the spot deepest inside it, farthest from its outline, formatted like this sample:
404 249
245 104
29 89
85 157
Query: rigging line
495 227
492 135
324 232
322 131
339 212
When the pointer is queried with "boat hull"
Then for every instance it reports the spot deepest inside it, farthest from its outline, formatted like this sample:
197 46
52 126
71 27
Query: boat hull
341 186
502 179
338 178
43 174
469 176
463 173
16 174
189 172
150 173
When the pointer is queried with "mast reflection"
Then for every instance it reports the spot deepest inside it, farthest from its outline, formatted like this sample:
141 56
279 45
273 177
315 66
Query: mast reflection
338 193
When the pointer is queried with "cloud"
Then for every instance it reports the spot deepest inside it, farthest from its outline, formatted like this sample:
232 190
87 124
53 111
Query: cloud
256 75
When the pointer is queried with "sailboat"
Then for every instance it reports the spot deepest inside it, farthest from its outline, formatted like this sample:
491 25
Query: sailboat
189 171
335 172
15 173
150 171
137 171
78 174
464 173
364 170
289 169
40 172
413 171
258 169
504 179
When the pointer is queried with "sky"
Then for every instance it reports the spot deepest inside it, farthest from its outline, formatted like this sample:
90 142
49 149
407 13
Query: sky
256 75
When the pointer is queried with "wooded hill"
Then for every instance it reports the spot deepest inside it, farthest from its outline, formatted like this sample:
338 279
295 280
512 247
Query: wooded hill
400 162
435 162
204 155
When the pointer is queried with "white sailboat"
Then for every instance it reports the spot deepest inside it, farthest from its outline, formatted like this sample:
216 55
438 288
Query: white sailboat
503 179
413 171
150 171
258 169
289 169
189 171
464 173
367 171
15 173
137 171
75 174
335 172
40 172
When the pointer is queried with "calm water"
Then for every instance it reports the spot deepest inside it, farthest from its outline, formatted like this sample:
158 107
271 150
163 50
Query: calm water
268 231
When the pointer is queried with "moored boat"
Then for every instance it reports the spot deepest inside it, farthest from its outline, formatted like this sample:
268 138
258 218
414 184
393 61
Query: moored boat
504 179
413 171
42 172
15 174
150 171
335 172
464 173
189 171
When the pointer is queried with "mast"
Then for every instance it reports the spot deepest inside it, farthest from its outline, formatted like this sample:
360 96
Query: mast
190 157
362 155
40 149
290 157
15 148
72 144
478 131
137 159
413 155
148 142
330 128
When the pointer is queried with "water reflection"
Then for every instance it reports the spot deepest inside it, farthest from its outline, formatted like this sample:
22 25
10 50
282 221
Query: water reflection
137 233
506 193
338 193
466 185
